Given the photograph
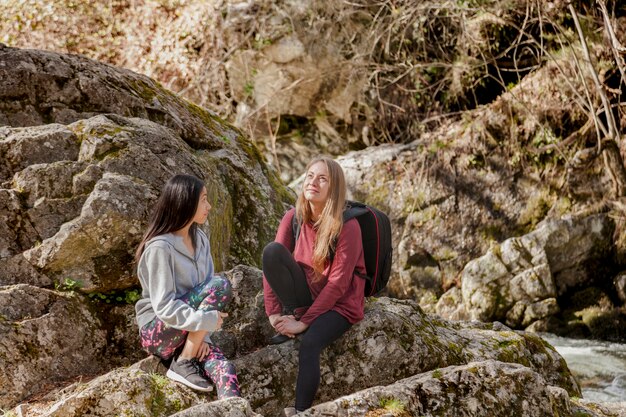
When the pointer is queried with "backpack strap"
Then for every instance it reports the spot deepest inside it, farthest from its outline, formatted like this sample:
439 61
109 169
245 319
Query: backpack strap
295 228
353 209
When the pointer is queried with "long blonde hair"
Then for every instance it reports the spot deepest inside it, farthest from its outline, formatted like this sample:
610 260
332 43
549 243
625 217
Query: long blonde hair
330 222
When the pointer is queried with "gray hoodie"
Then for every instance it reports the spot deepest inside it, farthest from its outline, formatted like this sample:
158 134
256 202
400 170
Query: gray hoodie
167 270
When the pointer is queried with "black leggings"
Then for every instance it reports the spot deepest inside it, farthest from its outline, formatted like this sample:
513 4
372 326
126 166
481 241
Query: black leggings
324 330
287 280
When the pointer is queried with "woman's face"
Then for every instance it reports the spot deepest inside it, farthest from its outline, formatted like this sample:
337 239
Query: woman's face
316 183
202 212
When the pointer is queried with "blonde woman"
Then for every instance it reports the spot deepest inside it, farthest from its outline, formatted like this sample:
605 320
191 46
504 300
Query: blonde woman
305 293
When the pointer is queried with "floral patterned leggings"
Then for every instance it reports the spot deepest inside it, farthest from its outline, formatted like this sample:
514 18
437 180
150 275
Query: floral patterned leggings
163 341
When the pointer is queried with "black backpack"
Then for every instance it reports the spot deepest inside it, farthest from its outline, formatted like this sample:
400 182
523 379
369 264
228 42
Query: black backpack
376 238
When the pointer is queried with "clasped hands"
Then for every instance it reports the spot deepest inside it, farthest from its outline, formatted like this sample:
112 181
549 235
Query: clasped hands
287 325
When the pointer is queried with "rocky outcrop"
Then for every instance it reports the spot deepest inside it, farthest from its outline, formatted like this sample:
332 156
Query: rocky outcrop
84 150
231 407
475 389
396 340
520 280
125 391
79 186
46 337
63 334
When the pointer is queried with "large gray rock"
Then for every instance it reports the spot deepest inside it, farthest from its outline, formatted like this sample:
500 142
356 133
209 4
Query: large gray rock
124 391
84 150
49 337
41 87
76 185
230 407
519 280
395 340
488 388
46 337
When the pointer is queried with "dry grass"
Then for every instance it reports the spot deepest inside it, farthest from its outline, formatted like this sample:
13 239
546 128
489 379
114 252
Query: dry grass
177 42
405 66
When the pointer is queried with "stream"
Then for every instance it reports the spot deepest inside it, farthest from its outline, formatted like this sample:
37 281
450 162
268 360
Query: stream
600 367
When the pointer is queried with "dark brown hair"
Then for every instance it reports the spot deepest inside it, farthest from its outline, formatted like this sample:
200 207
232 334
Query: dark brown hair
174 209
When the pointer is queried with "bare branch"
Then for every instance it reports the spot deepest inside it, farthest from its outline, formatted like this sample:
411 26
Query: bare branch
616 47
613 131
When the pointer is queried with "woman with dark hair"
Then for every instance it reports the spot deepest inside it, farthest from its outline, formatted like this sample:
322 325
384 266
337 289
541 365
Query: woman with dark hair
305 292
182 301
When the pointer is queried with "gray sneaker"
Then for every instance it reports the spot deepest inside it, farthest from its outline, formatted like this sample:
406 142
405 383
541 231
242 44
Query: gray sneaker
188 372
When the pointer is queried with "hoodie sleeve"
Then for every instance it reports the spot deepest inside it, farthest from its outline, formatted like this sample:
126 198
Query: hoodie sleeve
173 312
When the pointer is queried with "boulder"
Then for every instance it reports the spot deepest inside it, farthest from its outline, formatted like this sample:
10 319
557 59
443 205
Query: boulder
88 149
230 407
394 341
556 258
450 305
609 409
37 354
474 389
124 391
46 337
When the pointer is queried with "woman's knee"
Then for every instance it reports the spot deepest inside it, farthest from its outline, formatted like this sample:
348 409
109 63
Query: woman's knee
217 294
222 284
272 252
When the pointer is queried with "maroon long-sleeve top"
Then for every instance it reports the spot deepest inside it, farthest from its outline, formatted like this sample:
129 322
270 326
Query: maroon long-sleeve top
340 288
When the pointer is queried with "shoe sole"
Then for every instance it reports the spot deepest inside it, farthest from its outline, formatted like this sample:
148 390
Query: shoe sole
278 340
175 377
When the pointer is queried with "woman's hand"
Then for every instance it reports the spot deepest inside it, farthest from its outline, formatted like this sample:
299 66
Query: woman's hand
276 318
273 318
289 326
203 351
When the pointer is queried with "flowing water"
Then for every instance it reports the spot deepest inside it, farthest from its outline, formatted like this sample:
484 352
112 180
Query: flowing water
600 367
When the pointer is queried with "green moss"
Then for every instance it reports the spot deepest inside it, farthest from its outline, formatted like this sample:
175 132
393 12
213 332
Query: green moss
393 405
142 89
456 350
536 209
205 116
68 284
505 343
158 404
127 296
437 374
